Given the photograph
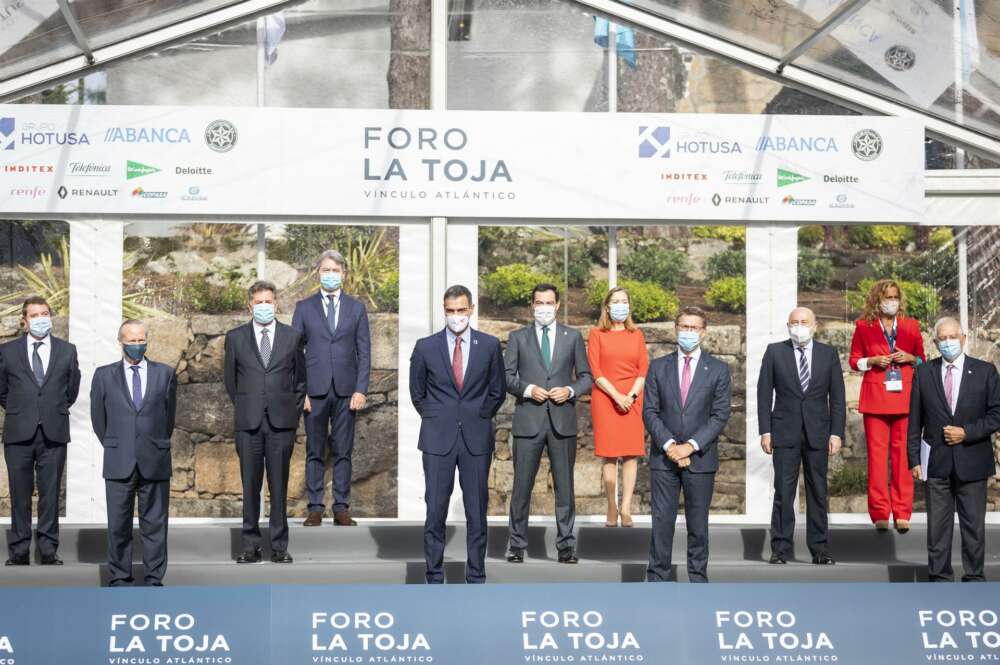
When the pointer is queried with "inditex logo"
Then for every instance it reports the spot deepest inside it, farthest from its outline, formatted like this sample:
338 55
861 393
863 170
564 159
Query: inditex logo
654 142
29 168
786 178
136 170
683 176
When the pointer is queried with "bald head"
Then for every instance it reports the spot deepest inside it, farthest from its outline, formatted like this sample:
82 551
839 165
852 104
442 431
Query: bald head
802 316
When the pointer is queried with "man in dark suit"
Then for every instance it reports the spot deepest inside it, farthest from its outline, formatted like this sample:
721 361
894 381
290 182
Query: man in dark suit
338 361
457 386
132 406
547 370
954 409
39 382
265 377
685 408
803 380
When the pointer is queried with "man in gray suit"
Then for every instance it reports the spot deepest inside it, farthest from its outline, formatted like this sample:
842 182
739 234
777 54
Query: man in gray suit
132 407
685 408
547 371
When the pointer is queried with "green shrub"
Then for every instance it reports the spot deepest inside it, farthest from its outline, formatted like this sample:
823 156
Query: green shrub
512 284
937 266
811 235
849 480
728 293
387 294
892 236
552 257
815 270
942 238
649 263
203 296
922 301
650 301
727 263
731 234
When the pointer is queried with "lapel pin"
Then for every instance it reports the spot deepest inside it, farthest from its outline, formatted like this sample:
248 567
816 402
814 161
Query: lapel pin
475 341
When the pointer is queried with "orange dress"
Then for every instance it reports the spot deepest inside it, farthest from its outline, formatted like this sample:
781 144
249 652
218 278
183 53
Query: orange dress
620 357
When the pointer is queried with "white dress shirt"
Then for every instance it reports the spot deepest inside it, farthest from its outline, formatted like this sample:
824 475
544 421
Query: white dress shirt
43 351
326 304
695 357
127 367
271 330
552 354
466 339
956 377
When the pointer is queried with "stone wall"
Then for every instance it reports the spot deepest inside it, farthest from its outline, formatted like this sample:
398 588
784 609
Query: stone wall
725 342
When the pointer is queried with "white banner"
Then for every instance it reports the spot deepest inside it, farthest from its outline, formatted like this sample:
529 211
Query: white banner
239 161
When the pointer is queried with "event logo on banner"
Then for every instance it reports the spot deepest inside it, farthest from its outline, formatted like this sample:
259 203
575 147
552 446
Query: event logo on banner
581 166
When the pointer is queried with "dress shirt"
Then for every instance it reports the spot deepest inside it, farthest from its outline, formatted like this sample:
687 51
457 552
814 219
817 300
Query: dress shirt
127 368
695 357
552 354
956 377
326 304
271 330
43 351
466 340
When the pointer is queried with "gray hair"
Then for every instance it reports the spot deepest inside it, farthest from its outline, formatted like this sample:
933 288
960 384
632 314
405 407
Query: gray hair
947 319
334 256
262 285
133 322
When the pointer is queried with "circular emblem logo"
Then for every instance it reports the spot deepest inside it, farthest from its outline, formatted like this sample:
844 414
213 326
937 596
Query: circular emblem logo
901 58
867 145
220 135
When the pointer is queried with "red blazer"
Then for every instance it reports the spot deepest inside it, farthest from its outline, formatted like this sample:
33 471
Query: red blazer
869 341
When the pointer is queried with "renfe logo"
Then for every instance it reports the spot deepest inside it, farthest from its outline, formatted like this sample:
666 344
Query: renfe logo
6 133
654 142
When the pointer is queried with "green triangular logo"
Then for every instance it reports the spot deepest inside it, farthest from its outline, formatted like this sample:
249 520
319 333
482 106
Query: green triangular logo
786 178
137 170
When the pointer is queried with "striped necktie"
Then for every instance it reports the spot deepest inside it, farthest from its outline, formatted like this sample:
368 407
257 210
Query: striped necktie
803 369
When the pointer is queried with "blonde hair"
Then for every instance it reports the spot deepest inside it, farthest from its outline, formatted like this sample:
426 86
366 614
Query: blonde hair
872 311
605 322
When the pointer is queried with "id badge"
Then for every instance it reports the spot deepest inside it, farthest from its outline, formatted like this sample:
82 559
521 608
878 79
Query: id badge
894 380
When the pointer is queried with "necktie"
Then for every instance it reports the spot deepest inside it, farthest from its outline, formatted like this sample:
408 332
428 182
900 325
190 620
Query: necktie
949 388
331 313
136 388
803 369
456 363
36 364
546 348
685 380
265 347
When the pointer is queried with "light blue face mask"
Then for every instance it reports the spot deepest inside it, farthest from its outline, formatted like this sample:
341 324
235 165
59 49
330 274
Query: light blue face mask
688 340
263 313
950 349
40 326
618 311
331 281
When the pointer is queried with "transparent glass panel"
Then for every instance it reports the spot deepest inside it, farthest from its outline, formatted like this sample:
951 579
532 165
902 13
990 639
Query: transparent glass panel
108 21
32 35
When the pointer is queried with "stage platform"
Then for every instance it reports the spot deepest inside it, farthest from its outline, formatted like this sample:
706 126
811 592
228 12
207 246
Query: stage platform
391 553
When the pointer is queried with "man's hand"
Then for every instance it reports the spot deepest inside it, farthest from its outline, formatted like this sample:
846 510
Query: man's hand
539 394
880 361
954 435
916 472
559 395
765 444
680 451
903 358
307 407
834 446
358 401
684 463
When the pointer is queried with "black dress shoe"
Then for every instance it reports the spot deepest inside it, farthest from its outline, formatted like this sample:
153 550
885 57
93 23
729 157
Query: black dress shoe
515 556
823 560
281 556
778 559
249 557
568 556
51 560
23 560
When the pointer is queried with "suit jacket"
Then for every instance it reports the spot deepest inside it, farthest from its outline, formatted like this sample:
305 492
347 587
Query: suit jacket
524 367
868 341
977 410
134 438
445 412
25 403
341 359
280 389
821 411
702 418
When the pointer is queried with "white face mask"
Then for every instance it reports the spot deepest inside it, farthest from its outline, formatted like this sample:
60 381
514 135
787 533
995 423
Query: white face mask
545 314
889 307
800 334
458 324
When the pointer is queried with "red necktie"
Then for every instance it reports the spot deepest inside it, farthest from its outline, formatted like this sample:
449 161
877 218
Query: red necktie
456 363
685 380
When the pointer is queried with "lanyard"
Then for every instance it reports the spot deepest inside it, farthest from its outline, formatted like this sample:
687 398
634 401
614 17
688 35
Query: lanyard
890 338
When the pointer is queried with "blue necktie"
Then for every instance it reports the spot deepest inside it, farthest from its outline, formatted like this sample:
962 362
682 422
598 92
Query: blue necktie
136 388
331 313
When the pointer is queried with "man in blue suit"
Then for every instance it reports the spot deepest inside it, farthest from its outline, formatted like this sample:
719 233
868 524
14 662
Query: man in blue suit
338 361
686 407
132 406
457 385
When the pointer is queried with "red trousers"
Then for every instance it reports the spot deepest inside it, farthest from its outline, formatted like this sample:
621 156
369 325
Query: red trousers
886 435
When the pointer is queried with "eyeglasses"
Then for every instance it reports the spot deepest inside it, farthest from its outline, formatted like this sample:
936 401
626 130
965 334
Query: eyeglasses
690 328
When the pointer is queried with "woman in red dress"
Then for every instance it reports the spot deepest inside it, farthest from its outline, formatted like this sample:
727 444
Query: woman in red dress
887 346
616 350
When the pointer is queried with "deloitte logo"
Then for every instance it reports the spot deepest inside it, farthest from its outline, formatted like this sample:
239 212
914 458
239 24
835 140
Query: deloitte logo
786 178
136 170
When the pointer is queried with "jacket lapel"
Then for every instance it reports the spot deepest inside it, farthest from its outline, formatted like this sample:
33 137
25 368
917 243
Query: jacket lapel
938 382
672 380
317 302
54 354
152 385
23 352
118 370
443 346
557 345
794 366
250 337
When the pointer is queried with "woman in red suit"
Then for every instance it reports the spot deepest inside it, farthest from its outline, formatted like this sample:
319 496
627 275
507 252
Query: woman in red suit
886 347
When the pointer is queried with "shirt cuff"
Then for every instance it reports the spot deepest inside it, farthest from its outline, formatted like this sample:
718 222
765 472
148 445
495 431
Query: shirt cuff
527 391
666 446
694 444
572 393
863 365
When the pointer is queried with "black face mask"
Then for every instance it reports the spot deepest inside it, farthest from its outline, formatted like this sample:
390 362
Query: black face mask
135 351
